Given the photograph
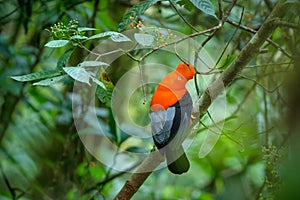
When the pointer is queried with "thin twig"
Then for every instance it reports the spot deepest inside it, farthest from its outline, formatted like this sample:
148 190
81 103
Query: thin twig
268 65
131 56
266 119
231 38
11 190
181 16
259 84
179 57
10 13
222 132
241 103
142 82
220 9
277 46
289 25
178 41
210 72
250 30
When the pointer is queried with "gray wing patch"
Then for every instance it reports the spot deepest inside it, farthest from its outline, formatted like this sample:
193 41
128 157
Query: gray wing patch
161 124
181 134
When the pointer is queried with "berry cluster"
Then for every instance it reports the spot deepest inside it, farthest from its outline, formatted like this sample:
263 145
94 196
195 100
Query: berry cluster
135 24
64 31
163 37
272 180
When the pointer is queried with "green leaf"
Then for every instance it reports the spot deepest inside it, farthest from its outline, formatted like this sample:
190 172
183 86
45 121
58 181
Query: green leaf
120 38
135 11
104 94
186 4
63 60
123 136
92 64
83 29
205 6
50 81
57 43
79 37
144 39
81 169
99 83
78 73
37 75
97 172
115 36
98 36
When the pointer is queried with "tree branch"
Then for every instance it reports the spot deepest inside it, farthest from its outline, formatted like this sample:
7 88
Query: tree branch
141 174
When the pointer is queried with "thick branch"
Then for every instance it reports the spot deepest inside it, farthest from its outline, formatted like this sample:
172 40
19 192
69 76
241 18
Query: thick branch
138 178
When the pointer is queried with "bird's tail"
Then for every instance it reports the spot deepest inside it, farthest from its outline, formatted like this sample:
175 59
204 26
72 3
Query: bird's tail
177 160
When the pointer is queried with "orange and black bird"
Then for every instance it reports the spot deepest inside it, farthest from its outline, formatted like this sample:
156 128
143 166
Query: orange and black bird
170 113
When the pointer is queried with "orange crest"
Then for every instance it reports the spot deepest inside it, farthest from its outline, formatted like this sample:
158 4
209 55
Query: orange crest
186 70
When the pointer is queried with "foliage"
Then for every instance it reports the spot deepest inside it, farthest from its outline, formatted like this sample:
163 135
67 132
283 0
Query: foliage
135 12
205 6
46 43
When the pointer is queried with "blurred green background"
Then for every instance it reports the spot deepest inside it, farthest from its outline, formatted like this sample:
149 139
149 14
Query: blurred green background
255 157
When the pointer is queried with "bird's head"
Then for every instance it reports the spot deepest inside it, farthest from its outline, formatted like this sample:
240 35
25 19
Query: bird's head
186 70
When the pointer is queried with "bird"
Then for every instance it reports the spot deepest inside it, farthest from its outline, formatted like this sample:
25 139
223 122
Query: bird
170 114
